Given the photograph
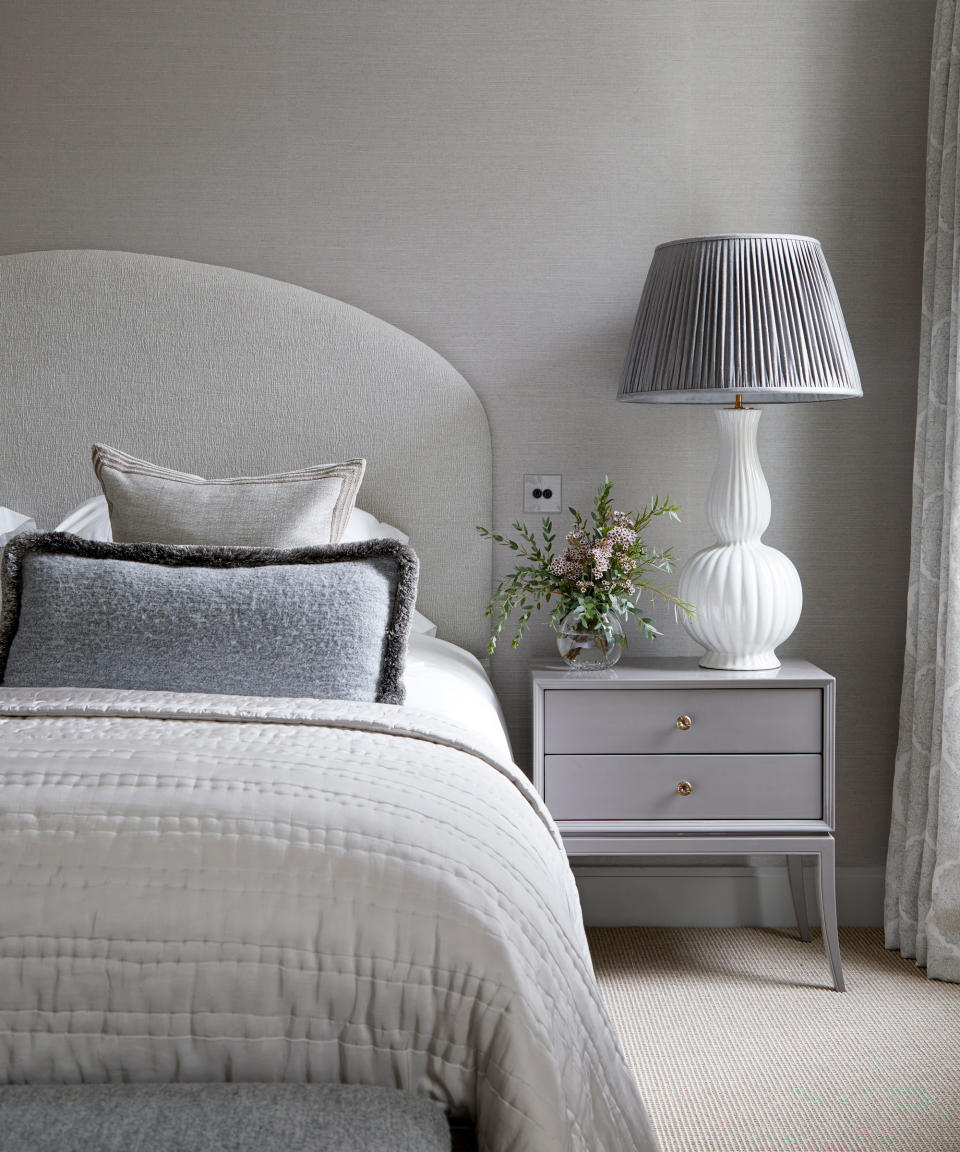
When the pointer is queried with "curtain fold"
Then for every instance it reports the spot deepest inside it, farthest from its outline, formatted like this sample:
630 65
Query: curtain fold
922 913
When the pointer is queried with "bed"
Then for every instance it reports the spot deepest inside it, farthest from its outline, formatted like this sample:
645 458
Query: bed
208 887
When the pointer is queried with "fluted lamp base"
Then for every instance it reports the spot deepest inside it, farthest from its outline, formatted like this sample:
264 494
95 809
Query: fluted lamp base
747 596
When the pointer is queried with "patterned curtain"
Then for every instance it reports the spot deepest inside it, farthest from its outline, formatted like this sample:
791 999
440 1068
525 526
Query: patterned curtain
922 915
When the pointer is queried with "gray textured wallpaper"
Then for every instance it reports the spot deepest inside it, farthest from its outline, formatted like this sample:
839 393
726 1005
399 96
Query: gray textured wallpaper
493 178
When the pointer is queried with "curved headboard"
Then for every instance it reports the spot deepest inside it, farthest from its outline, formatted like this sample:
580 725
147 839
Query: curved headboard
223 373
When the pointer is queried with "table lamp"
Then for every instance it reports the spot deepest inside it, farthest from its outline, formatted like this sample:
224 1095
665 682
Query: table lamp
739 318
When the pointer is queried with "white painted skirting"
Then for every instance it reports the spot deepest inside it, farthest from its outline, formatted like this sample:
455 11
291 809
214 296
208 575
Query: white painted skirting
722 896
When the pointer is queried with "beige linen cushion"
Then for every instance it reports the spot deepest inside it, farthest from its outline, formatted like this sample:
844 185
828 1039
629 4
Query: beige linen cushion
289 510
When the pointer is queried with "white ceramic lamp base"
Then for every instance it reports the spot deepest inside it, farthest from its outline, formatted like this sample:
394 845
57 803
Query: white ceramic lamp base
747 596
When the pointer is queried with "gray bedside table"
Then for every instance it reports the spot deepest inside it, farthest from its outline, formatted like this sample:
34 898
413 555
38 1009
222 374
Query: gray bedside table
663 757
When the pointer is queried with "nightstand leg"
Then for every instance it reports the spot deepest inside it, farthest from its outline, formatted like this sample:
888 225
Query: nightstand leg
826 874
795 874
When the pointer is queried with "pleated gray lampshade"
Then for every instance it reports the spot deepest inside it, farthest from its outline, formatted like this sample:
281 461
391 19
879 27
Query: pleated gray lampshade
754 314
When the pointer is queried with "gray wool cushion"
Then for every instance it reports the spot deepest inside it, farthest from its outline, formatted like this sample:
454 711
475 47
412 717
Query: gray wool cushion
329 622
287 510
218 1118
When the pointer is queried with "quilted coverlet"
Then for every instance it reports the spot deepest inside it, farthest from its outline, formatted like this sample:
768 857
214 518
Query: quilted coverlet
249 889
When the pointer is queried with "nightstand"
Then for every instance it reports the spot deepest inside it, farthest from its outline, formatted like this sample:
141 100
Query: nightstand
662 757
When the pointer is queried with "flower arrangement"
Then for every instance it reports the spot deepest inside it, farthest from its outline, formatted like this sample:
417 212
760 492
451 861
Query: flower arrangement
602 572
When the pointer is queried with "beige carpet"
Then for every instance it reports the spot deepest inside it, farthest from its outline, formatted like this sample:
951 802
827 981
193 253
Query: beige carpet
739 1045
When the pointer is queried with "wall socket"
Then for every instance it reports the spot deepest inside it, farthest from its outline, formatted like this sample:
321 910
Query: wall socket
541 494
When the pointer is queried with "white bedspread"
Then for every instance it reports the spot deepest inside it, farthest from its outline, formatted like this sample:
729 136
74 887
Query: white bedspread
214 887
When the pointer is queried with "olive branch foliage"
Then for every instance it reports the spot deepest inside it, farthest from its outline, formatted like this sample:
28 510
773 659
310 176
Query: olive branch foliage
577 587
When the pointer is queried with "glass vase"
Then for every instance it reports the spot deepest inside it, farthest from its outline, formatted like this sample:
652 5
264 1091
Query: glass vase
590 649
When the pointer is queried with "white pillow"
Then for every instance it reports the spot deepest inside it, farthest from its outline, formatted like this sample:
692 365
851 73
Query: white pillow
12 524
360 526
92 521
364 526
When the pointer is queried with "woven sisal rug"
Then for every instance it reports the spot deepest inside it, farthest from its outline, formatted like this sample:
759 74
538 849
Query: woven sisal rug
740 1045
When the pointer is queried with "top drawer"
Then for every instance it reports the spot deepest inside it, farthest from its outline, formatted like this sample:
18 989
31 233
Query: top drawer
629 720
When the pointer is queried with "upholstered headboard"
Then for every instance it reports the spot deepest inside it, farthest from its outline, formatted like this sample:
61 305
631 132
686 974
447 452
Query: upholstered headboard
223 373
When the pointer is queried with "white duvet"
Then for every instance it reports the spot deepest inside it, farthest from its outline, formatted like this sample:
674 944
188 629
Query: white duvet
219 888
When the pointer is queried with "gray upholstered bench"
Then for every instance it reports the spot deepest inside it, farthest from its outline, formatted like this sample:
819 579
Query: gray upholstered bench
218 1118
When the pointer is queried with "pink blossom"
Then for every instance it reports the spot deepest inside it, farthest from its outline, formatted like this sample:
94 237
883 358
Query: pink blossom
622 536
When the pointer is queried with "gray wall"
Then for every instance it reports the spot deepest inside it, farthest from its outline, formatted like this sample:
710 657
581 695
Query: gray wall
493 178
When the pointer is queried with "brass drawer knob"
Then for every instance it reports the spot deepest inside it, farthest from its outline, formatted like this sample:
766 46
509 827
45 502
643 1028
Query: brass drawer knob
684 787
684 722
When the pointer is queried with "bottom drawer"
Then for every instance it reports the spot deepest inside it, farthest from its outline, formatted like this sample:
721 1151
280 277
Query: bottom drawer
743 787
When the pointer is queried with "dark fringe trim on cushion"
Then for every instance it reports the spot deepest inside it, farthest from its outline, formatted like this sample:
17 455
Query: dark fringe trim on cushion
390 688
